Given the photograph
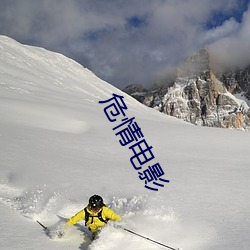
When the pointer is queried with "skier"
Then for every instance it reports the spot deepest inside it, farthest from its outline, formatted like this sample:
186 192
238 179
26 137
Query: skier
95 214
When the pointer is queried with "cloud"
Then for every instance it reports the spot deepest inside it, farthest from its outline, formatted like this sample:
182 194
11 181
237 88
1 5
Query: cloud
126 42
233 49
228 28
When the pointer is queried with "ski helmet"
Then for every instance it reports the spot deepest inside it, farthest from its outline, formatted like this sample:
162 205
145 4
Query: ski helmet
96 202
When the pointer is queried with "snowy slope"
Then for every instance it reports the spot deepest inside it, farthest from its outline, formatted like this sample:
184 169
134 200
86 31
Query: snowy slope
58 148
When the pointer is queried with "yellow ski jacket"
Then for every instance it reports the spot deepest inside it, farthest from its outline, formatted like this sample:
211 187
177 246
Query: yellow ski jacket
94 223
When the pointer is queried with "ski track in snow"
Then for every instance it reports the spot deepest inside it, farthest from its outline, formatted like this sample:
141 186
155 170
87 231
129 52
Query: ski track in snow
43 117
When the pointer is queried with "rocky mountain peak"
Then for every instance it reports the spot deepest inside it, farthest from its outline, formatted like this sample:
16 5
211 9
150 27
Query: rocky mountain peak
196 64
200 96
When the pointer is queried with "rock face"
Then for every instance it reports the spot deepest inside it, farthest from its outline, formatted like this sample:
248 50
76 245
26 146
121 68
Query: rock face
136 90
237 81
201 97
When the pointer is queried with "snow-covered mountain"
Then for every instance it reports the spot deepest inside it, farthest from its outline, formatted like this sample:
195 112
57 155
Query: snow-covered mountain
201 95
58 147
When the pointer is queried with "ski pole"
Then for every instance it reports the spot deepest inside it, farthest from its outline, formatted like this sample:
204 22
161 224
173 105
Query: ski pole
149 239
45 228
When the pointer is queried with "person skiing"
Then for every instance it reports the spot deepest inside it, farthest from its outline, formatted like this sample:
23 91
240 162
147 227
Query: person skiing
95 214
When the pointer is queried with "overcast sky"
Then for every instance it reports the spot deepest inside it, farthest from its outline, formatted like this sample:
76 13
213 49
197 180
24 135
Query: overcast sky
131 41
